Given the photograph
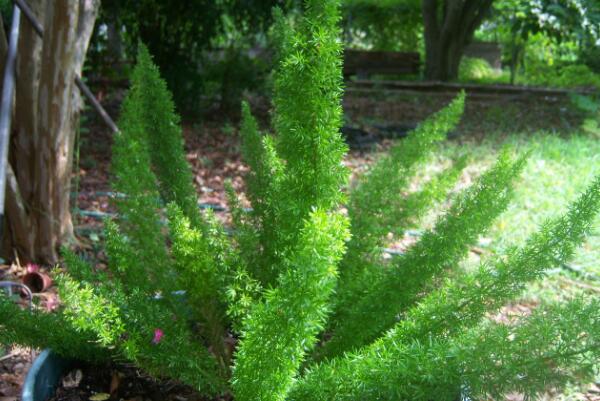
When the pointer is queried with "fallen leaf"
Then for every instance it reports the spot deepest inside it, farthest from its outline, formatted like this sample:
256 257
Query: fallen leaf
100 397
114 382
72 379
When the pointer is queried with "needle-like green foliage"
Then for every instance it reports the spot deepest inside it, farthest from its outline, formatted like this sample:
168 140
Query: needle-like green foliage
375 371
377 201
378 205
205 274
387 293
38 329
301 168
272 308
138 210
126 324
556 344
281 329
161 127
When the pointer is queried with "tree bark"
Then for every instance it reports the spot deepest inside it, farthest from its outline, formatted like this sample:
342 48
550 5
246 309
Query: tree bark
47 105
449 28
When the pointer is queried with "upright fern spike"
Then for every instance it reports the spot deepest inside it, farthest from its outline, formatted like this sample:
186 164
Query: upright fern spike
162 130
304 241
243 289
388 292
138 210
201 277
307 120
264 191
280 330
378 195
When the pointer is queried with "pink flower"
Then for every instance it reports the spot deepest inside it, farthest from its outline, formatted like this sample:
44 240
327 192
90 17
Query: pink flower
158 335
52 303
32 268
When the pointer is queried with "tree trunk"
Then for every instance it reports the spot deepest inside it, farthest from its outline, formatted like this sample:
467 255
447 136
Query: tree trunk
114 43
449 27
516 49
47 105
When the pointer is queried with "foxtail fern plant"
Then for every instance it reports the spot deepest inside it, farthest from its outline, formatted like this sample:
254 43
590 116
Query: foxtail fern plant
297 301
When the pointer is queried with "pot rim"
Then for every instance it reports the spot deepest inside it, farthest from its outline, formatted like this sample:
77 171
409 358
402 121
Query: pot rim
43 376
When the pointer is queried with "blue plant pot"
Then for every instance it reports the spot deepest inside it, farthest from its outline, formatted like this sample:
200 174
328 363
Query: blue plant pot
44 376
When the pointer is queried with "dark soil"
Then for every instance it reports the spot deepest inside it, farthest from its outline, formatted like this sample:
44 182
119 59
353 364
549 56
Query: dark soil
120 383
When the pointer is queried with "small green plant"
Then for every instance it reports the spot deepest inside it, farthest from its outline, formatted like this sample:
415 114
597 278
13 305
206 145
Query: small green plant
299 302
562 76
590 106
474 69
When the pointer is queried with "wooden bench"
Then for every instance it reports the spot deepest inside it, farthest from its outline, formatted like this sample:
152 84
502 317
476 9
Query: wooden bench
364 63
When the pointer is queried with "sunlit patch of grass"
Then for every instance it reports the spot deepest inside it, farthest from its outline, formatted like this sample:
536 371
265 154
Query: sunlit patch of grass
558 169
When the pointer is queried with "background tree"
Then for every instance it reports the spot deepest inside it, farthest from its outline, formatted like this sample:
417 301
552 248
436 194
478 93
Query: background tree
449 26
394 25
577 21
46 117
199 45
444 27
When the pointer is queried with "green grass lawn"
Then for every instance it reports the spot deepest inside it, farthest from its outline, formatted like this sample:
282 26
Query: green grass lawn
558 169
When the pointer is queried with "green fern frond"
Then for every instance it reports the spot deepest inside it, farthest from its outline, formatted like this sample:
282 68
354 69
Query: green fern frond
162 131
387 292
378 194
280 330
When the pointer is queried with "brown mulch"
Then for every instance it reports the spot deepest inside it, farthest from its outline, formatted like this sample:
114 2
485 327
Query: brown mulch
14 365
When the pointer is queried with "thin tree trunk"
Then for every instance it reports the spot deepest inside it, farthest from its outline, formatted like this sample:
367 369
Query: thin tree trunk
114 40
3 47
21 231
46 116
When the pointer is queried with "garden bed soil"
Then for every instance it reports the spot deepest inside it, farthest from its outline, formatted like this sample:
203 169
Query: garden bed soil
120 383
13 368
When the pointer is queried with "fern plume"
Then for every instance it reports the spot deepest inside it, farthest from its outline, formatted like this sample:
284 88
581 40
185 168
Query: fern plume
386 293
162 131
281 329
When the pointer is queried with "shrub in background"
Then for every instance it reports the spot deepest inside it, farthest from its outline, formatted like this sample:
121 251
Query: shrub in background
590 107
299 302
201 46
578 75
562 76
473 69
